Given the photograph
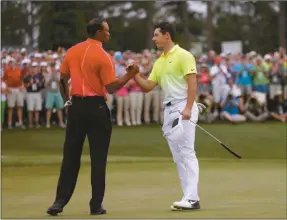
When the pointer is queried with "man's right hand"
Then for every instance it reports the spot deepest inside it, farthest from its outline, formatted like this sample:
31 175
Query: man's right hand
132 69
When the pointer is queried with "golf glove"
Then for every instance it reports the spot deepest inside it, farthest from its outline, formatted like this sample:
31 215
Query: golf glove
201 107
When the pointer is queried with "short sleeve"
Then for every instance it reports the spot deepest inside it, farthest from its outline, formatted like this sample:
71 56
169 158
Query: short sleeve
107 72
154 74
64 68
213 71
188 64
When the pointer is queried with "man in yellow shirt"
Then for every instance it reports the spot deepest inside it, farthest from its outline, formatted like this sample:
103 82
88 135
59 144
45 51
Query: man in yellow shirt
175 71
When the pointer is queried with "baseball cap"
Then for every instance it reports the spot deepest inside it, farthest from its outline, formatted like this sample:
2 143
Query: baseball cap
23 50
43 63
218 60
25 61
118 56
34 64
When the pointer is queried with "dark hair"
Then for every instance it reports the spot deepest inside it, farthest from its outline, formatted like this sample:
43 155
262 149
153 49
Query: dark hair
94 25
166 27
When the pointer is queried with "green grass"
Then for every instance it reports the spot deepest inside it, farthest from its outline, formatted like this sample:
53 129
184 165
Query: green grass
142 180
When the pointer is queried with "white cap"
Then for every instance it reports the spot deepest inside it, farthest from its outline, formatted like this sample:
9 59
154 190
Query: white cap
267 57
204 56
10 59
222 55
34 64
26 60
23 50
38 55
43 63
236 91
55 56
130 61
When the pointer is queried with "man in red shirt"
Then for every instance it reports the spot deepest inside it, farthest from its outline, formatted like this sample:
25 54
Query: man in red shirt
92 72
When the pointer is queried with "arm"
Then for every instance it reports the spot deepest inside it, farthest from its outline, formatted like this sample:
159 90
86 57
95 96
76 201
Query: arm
189 72
191 91
64 77
121 81
64 88
146 84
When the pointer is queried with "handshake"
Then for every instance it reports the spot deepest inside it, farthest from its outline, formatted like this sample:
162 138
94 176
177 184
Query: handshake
132 68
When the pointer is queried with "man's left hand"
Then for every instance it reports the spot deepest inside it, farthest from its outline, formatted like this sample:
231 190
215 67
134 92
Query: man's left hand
201 107
186 114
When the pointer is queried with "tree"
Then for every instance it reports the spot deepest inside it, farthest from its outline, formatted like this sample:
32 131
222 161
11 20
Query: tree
14 22
282 24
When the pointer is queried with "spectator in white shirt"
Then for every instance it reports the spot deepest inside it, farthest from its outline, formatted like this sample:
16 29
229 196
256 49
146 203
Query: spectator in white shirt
219 76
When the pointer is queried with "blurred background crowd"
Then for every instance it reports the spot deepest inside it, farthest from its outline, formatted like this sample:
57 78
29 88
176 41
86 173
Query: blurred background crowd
234 87
240 49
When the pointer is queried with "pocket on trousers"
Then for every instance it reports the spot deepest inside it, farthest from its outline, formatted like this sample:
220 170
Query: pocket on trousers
175 133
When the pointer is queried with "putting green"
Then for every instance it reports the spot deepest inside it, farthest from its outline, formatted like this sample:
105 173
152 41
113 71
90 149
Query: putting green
142 180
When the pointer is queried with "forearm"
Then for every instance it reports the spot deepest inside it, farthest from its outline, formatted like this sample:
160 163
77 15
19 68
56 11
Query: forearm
146 85
119 83
191 91
64 88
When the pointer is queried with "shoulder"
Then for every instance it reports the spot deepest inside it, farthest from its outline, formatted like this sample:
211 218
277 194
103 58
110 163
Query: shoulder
75 49
185 54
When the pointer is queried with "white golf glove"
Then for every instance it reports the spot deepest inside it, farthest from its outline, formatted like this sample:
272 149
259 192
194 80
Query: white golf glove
201 107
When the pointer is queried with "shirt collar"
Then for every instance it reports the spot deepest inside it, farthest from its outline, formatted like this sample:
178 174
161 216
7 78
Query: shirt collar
93 41
173 49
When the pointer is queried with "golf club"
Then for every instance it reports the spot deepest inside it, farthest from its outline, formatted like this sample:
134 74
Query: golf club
222 144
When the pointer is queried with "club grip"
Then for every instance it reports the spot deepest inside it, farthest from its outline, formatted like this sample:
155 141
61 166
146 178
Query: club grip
232 152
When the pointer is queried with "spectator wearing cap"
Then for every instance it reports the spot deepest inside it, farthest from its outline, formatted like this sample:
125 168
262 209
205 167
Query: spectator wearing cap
152 99
3 99
219 76
283 72
122 95
275 79
53 98
136 98
260 77
203 79
34 83
268 61
278 108
211 58
244 71
256 107
13 77
206 115
231 106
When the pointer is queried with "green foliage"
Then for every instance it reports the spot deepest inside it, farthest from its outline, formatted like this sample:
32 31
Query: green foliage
14 23
63 23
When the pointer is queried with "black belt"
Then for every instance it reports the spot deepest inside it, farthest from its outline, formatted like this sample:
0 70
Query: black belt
99 98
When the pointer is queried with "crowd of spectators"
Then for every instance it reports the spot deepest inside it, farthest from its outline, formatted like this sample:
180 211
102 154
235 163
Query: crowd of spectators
234 87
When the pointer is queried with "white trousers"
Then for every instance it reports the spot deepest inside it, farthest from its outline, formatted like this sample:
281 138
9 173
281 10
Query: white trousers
123 105
136 99
154 98
181 137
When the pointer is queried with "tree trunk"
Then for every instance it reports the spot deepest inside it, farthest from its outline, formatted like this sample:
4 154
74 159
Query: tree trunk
282 24
150 10
183 9
209 26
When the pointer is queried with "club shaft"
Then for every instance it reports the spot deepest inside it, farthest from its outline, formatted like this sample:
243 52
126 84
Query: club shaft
206 132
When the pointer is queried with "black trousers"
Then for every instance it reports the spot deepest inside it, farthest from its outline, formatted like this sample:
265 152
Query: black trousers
86 116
